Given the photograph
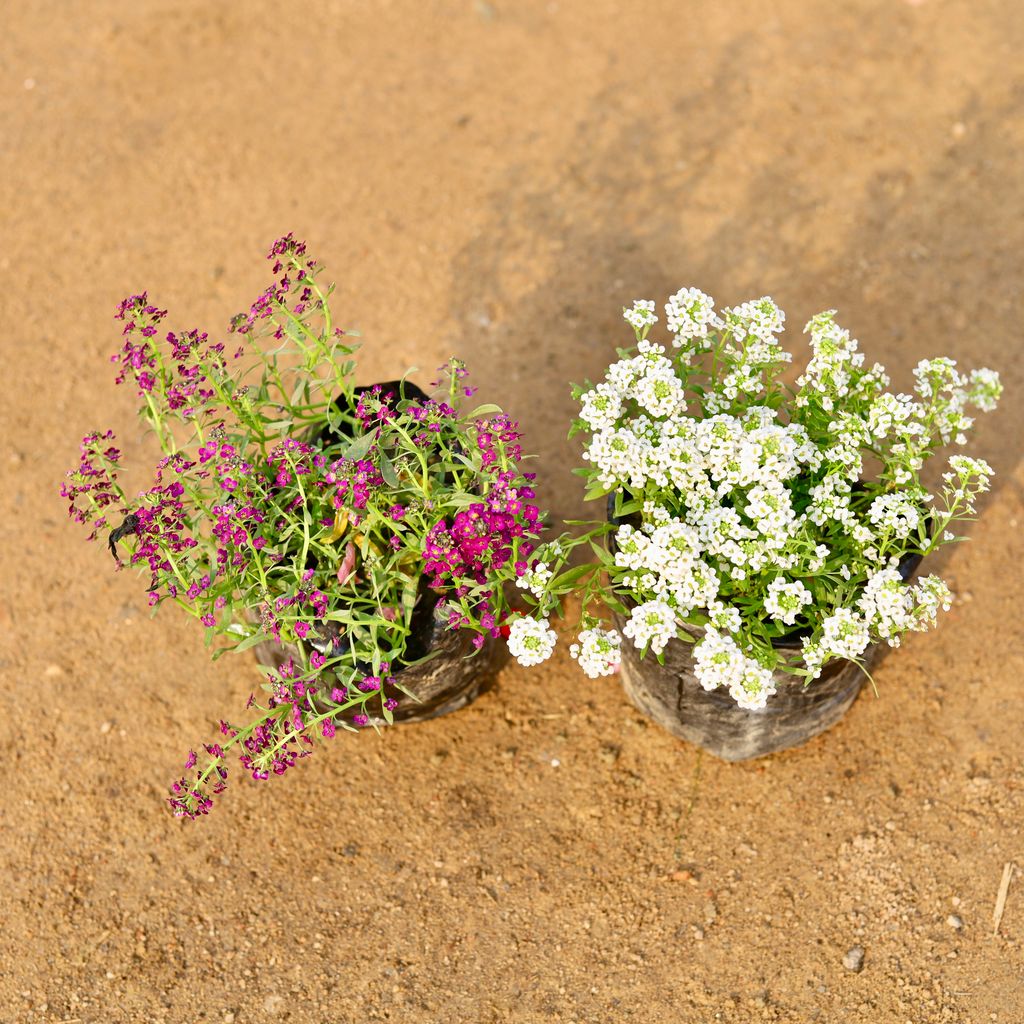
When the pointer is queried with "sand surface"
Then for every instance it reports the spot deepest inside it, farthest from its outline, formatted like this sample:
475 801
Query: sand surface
496 179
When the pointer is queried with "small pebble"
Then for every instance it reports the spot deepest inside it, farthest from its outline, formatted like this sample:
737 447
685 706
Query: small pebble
52 671
105 728
955 921
854 960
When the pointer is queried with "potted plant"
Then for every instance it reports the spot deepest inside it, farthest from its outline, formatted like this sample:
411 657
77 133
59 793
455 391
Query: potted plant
765 531
360 539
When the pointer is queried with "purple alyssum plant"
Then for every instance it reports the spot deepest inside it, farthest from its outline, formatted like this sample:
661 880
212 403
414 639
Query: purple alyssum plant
290 506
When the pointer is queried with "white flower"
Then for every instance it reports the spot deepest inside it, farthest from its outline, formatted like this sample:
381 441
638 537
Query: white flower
659 391
813 656
817 561
631 547
891 607
750 496
761 319
640 315
598 652
966 479
832 366
830 499
690 314
531 641
724 618
536 580
930 594
719 662
895 414
753 688
895 513
619 456
844 634
600 407
784 601
984 389
651 625
937 375
622 375
887 603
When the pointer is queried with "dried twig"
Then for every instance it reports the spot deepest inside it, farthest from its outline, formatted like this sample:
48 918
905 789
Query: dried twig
1004 888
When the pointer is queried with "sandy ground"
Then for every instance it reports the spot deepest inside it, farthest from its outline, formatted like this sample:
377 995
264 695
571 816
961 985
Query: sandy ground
496 179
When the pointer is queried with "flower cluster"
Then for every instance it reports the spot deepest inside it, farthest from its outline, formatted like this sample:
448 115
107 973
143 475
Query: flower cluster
491 538
719 662
531 641
91 488
291 508
742 507
597 651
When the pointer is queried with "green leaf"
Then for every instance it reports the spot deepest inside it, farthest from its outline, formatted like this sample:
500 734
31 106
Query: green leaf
457 500
387 470
250 641
488 409
359 447
566 579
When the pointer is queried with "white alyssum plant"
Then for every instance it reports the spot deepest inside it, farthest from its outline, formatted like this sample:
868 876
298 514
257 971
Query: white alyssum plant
747 509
